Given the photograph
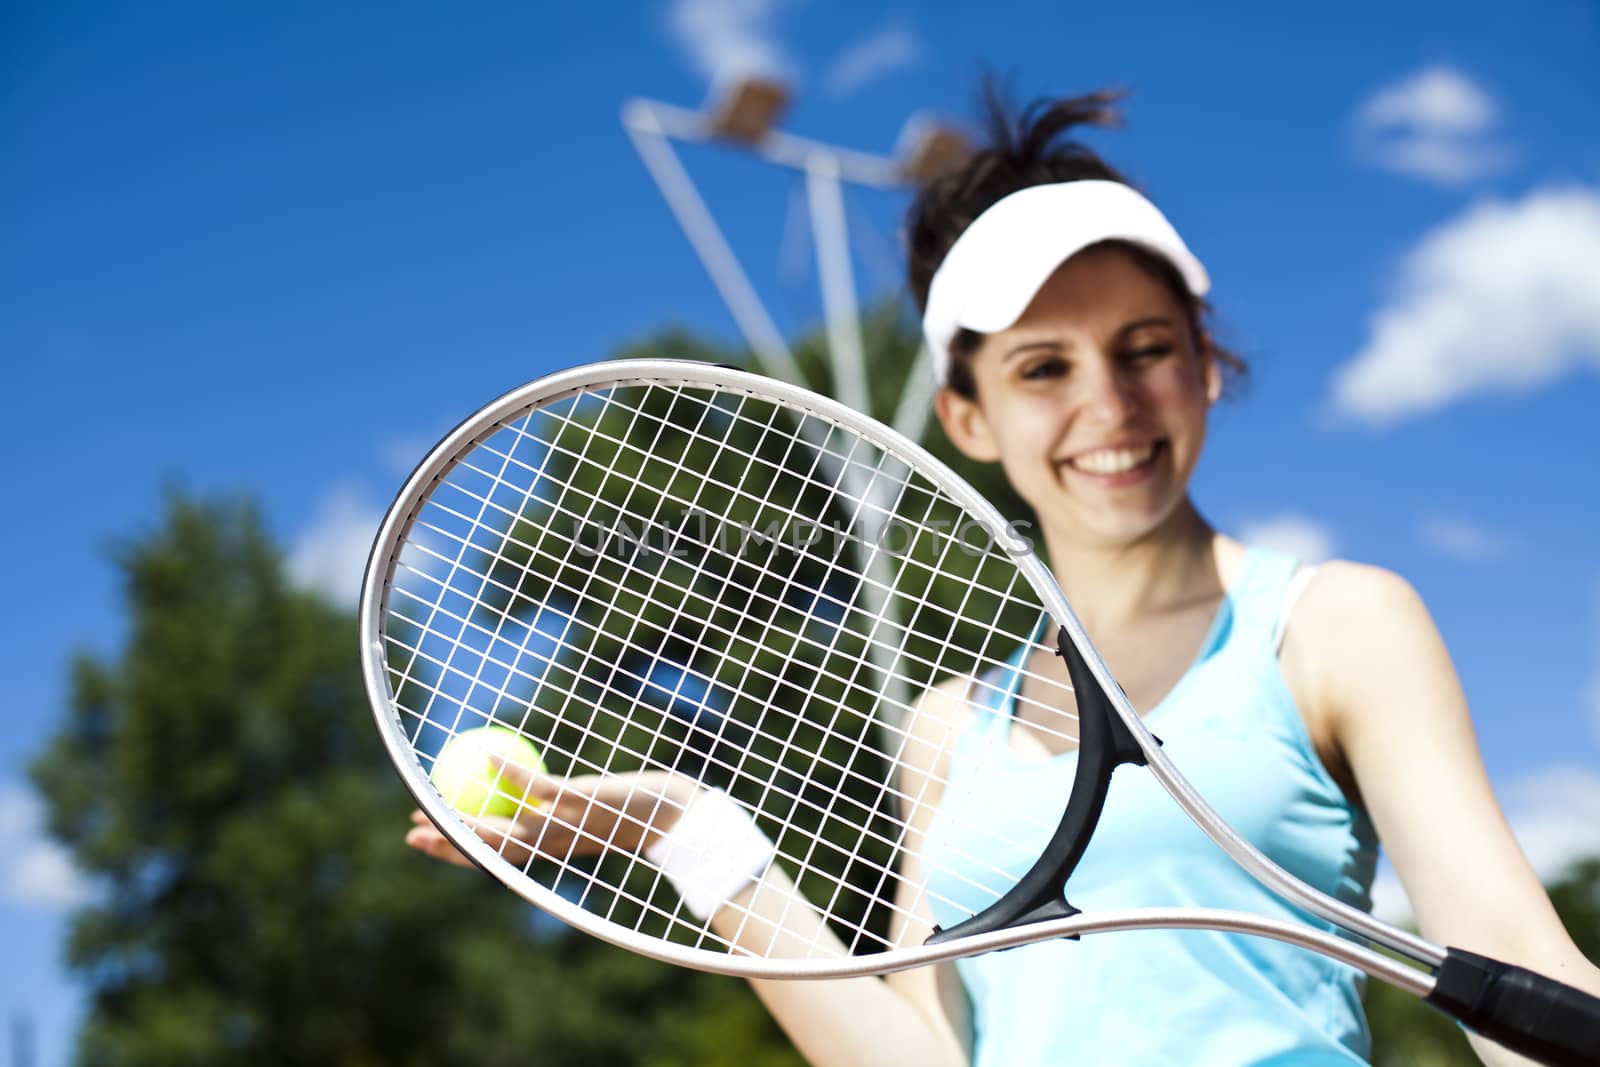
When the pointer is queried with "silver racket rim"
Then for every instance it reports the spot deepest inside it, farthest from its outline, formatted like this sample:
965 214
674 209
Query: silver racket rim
555 387
489 419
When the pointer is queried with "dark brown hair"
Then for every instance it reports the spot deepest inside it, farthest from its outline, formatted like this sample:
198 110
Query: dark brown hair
1024 149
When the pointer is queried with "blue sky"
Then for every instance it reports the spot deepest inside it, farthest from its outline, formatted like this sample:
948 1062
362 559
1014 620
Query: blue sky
280 248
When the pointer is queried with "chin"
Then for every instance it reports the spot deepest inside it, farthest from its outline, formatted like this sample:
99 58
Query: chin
1120 535
1121 527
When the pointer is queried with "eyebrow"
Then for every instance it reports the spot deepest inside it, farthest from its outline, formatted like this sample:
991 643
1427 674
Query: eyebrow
1125 330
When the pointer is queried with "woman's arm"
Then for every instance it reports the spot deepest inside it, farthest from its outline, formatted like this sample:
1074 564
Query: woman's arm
914 1017
1377 680
900 1019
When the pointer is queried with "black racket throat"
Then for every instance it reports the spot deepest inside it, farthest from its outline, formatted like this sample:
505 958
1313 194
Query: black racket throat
1104 744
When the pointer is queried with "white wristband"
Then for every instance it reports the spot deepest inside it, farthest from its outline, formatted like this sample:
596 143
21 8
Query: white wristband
713 851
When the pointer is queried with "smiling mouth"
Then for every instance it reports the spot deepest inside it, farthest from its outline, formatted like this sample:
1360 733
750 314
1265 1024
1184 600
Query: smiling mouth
1112 461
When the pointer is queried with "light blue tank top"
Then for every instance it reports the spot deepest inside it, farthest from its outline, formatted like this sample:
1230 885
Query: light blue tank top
1181 997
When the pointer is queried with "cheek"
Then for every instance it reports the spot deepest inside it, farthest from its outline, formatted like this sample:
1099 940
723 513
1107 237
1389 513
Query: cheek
1027 436
1185 412
1026 431
1180 388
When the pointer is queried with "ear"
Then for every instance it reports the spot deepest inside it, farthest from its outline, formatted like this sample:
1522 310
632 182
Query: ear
1213 368
965 424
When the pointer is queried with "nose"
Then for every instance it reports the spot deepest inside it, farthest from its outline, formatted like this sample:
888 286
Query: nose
1109 396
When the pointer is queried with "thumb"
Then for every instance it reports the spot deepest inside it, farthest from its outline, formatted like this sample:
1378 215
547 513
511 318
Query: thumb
523 782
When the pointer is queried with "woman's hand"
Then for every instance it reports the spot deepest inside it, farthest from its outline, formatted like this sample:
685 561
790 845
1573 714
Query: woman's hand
580 816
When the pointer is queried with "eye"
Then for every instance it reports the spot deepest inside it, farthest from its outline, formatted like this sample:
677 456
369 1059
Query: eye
1148 353
1044 368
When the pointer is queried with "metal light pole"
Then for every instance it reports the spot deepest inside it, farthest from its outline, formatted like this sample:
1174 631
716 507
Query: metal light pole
745 116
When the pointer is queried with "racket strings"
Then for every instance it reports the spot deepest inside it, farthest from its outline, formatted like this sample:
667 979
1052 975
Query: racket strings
738 492
421 717
799 800
455 564
770 765
797 765
502 692
582 595
682 589
688 591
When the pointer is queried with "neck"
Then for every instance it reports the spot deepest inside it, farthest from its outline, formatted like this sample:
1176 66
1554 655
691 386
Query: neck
1109 586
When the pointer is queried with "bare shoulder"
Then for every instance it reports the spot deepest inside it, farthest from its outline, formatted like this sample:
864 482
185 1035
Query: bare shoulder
942 707
1355 609
1359 636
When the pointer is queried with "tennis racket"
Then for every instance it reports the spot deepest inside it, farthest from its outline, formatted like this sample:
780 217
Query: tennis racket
660 571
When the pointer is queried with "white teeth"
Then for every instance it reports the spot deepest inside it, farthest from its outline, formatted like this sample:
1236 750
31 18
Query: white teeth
1112 460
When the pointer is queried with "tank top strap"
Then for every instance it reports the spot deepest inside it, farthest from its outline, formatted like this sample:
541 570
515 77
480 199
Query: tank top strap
993 693
1260 597
1250 621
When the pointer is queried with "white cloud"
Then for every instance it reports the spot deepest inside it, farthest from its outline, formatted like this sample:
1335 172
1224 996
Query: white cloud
1442 159
1438 98
1556 816
401 455
892 48
1461 539
1301 537
34 870
1389 900
1505 298
330 555
727 39
1436 125
19 812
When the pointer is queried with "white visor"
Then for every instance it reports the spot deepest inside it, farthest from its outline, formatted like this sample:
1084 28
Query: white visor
999 263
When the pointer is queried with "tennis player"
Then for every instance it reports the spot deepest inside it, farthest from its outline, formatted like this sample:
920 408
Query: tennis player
1315 707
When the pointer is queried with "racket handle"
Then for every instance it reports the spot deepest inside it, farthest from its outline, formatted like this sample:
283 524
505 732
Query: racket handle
1521 1009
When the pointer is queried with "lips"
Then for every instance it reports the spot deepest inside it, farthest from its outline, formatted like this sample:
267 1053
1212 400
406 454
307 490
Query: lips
1117 465
1113 460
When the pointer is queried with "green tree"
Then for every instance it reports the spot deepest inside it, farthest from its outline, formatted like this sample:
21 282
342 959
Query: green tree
221 781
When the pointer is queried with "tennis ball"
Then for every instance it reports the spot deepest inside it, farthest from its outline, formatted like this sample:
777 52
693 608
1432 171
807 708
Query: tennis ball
470 781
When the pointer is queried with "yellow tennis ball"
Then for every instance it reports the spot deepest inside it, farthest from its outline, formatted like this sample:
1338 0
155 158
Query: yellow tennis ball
468 778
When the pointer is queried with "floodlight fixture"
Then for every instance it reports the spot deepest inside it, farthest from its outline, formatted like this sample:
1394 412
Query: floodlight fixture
927 149
746 109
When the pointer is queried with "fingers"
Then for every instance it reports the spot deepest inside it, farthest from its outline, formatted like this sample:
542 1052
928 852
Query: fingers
497 831
537 787
556 816
430 842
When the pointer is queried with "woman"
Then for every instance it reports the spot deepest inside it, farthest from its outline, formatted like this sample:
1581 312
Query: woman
1068 329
